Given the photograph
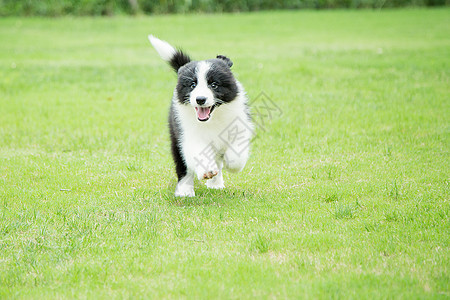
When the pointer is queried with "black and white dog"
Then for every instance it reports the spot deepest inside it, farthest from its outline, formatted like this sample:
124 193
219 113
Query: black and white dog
209 120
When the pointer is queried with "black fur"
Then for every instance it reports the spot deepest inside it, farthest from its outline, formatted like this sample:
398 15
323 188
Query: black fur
226 59
220 73
186 76
179 59
175 131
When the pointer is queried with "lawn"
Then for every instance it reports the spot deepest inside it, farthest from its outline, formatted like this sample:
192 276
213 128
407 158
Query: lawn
345 195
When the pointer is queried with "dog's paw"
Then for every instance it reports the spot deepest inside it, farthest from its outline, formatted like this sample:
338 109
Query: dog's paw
212 184
189 193
208 175
184 191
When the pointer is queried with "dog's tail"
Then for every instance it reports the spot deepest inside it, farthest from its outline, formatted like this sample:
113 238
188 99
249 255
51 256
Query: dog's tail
175 57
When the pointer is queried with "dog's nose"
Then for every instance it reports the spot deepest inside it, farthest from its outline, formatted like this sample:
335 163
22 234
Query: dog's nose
200 100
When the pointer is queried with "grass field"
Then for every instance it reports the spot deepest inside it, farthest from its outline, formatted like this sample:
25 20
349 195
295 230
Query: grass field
346 193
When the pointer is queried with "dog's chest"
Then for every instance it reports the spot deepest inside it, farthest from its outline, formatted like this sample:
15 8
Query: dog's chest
224 129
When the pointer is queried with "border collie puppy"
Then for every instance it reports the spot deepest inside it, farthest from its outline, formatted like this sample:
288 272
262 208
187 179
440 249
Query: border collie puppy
209 120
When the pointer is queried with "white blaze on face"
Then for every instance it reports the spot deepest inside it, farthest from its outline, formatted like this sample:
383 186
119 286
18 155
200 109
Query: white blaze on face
202 89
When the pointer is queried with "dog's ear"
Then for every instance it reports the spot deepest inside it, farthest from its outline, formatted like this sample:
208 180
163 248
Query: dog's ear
226 60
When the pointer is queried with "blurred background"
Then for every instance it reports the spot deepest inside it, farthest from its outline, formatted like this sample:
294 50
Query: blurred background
135 7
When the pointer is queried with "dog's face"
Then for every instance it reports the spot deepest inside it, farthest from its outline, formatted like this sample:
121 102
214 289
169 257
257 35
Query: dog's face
206 85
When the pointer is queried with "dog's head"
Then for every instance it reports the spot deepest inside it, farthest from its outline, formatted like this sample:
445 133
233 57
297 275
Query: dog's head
205 85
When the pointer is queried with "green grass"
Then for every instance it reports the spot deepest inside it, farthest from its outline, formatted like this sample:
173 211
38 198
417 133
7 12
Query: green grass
346 193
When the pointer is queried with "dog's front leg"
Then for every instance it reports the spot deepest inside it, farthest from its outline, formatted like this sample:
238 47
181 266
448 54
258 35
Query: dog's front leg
235 161
202 159
217 181
185 187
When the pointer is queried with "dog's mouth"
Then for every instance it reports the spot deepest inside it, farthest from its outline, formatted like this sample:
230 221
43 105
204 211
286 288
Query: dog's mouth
204 113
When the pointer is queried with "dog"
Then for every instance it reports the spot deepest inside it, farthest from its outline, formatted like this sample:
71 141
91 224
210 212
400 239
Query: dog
209 119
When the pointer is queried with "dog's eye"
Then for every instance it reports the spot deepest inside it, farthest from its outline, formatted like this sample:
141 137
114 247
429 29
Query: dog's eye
214 85
193 84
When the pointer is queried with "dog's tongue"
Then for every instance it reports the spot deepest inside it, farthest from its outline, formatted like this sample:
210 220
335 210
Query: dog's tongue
203 113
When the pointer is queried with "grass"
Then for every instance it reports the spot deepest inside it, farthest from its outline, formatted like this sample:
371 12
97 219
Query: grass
346 194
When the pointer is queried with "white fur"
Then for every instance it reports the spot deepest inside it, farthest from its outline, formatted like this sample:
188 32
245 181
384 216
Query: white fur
164 49
202 86
212 135
185 187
